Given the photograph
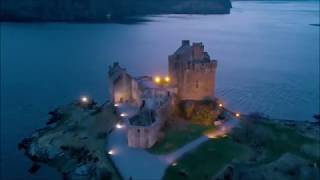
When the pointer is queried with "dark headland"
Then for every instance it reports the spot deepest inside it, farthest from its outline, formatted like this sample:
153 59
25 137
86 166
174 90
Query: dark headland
104 10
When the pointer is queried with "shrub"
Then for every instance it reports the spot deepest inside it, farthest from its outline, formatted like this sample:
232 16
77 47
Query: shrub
253 134
203 112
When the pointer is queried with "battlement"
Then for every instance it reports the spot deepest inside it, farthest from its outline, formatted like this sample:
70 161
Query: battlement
195 66
115 70
185 43
197 51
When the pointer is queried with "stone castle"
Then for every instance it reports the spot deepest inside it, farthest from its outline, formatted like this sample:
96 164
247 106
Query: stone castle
192 77
192 72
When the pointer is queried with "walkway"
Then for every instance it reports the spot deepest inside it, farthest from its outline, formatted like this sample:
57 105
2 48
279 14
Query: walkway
139 164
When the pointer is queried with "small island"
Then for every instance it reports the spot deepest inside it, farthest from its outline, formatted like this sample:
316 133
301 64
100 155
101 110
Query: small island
172 127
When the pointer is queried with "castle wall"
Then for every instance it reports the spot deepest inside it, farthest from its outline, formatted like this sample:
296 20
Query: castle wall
122 88
144 137
136 92
197 81
147 136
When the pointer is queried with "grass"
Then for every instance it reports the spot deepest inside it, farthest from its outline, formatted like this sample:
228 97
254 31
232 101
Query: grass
211 157
208 159
286 140
175 138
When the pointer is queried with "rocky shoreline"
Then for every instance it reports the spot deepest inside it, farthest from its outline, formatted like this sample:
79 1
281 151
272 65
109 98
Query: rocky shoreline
74 144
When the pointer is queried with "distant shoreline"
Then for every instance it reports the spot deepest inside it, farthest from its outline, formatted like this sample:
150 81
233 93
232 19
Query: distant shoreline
126 20
315 25
104 10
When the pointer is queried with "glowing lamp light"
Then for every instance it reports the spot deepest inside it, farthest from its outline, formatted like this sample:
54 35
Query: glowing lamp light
157 79
212 136
167 79
119 126
116 105
111 152
237 115
220 105
84 99
123 114
174 164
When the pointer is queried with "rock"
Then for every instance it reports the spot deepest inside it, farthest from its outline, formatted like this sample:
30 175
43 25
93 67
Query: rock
84 170
43 154
35 167
25 143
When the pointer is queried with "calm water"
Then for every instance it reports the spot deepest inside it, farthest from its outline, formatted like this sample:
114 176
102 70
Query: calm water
267 52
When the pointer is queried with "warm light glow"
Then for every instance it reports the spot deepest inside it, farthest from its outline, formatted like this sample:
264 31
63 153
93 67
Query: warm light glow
211 136
157 79
119 126
237 114
116 105
84 99
220 105
174 164
123 114
167 79
111 152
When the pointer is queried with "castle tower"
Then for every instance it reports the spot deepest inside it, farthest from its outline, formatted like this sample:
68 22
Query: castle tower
120 84
192 72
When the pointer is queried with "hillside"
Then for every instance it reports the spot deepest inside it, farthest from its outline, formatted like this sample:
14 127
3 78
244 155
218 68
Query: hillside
104 10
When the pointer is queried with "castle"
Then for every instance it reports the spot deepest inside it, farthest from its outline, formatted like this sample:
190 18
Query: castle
192 72
191 77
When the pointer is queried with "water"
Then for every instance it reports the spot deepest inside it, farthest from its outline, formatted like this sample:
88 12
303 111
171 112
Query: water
268 61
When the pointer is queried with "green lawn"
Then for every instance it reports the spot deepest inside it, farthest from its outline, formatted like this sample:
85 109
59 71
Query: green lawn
208 159
286 140
175 138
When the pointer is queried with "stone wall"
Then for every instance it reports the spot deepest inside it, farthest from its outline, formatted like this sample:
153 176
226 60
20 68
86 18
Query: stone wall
147 136
144 137
197 81
122 88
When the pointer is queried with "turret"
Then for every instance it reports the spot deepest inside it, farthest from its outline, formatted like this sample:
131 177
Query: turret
197 51
185 43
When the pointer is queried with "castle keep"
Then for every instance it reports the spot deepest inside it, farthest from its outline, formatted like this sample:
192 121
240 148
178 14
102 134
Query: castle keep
192 72
191 77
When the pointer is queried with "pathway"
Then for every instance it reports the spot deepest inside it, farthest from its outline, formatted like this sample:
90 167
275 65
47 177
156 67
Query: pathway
139 164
